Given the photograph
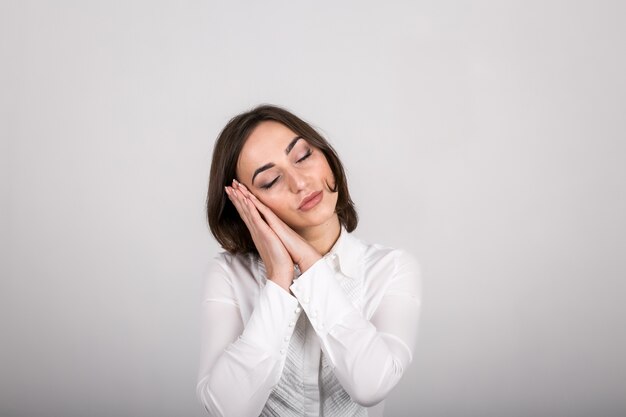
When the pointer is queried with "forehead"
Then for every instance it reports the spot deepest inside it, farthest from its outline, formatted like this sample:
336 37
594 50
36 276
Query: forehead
266 143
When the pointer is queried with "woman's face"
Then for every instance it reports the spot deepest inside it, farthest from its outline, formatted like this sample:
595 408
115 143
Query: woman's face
283 170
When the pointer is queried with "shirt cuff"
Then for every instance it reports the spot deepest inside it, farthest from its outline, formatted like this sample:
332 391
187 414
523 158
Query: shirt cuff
321 296
273 320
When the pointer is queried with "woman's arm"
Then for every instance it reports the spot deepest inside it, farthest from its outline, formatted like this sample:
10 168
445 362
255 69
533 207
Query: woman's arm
369 356
240 364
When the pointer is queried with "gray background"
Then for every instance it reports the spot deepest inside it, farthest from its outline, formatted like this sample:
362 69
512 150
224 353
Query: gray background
485 137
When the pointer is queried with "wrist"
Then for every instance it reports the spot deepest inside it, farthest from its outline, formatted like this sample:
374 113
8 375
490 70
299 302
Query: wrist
308 262
283 283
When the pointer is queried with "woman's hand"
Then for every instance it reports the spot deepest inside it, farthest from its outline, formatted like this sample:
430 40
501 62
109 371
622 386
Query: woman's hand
276 258
302 253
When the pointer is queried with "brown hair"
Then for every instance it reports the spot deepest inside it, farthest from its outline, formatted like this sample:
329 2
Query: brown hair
224 220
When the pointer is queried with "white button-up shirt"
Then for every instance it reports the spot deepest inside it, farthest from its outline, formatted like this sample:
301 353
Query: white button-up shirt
335 348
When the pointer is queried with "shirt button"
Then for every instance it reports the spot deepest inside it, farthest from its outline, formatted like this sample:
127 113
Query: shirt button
306 300
282 351
286 339
292 324
297 310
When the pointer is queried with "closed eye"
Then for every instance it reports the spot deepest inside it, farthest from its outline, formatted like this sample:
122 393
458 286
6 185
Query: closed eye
308 153
268 186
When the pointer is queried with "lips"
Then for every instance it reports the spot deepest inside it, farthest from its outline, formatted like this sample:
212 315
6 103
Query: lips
311 200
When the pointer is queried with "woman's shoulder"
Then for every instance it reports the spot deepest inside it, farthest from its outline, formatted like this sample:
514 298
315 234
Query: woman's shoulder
233 263
395 267
378 252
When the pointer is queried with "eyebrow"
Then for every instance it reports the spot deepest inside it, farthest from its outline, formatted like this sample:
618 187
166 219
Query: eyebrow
271 164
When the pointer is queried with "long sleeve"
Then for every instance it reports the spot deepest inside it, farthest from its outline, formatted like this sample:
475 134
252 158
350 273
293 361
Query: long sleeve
240 364
369 356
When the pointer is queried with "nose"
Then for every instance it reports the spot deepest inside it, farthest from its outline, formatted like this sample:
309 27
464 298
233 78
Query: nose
297 181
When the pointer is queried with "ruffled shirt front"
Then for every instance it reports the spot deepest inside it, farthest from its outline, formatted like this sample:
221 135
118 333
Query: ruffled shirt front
334 348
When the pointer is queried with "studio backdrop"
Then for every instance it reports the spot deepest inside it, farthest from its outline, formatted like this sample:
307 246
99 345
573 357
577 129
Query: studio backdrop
487 138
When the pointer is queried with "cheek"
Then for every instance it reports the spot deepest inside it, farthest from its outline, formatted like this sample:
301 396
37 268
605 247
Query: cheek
329 176
325 169
274 204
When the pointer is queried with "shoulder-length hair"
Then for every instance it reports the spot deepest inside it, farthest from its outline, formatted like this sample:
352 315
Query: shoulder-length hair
224 221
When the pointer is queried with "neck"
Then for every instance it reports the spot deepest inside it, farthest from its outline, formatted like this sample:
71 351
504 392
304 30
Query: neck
322 237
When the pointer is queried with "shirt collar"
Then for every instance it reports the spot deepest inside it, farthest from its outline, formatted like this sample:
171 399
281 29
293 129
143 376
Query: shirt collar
345 254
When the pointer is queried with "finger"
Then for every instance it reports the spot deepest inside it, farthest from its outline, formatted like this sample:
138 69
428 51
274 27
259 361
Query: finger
270 217
259 229
263 209
265 217
252 210
257 203
256 216
234 201
241 187
266 211
255 223
237 202
245 208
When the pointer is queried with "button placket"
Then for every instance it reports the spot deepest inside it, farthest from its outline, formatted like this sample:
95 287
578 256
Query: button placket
292 323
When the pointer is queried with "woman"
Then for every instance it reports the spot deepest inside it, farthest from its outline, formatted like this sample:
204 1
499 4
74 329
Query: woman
300 318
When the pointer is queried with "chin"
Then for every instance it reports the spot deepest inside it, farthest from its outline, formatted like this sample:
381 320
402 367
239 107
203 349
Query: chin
314 217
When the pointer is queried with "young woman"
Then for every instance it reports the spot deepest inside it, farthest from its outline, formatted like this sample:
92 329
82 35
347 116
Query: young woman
300 317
